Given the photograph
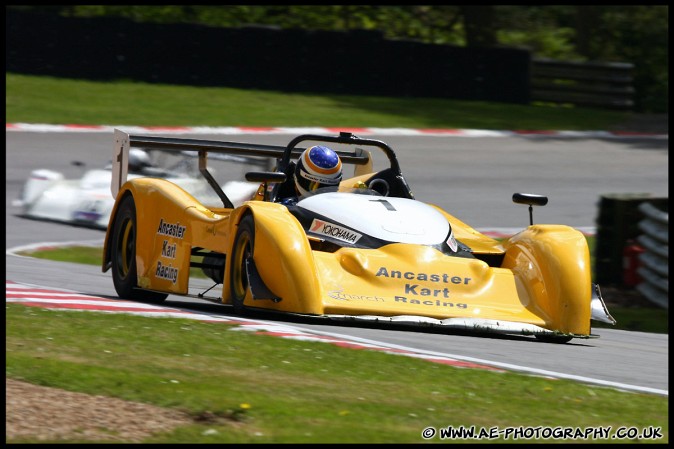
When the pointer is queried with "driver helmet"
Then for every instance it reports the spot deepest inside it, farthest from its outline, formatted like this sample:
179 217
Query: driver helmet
317 167
138 160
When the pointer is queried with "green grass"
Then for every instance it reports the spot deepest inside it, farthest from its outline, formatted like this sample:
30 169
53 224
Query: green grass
33 99
271 390
641 319
89 255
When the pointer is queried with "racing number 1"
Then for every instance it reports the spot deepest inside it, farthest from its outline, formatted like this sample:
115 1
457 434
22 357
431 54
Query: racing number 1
386 204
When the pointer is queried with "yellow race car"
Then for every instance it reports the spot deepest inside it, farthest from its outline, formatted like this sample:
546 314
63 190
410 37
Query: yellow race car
364 249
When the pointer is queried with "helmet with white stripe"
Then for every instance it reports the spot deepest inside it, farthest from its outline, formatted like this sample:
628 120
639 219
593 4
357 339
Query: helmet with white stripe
317 167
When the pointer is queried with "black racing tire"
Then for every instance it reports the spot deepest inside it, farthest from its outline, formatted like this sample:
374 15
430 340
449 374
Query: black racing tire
123 255
244 243
559 339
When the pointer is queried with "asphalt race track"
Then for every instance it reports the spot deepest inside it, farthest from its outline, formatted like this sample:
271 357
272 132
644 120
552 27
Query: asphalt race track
473 178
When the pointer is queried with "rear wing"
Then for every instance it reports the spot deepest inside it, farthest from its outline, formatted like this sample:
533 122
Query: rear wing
123 142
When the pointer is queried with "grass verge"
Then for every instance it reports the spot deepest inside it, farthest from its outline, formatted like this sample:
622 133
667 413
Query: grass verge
39 99
271 390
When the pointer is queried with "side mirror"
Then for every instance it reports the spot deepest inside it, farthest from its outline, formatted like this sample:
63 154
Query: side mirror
531 200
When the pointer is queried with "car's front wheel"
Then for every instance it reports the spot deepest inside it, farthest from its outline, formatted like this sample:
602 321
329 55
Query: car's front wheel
244 242
123 255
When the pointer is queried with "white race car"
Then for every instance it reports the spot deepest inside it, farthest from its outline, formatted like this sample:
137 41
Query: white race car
87 201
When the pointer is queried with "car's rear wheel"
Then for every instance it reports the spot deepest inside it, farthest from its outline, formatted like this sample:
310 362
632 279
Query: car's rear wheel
244 242
123 255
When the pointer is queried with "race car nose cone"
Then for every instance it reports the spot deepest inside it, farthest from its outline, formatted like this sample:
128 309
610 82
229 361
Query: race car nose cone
407 227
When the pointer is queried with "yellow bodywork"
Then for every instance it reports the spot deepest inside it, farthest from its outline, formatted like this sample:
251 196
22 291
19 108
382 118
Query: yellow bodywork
544 278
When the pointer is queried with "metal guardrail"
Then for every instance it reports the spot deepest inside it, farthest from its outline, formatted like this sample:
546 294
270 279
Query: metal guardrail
654 269
595 84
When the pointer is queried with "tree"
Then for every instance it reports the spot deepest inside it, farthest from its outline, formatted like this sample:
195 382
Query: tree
479 25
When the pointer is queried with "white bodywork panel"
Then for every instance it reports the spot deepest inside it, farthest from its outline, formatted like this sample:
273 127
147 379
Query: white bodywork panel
387 218
88 201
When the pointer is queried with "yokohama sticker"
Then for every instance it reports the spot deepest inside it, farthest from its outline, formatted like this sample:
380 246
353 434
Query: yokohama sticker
332 230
